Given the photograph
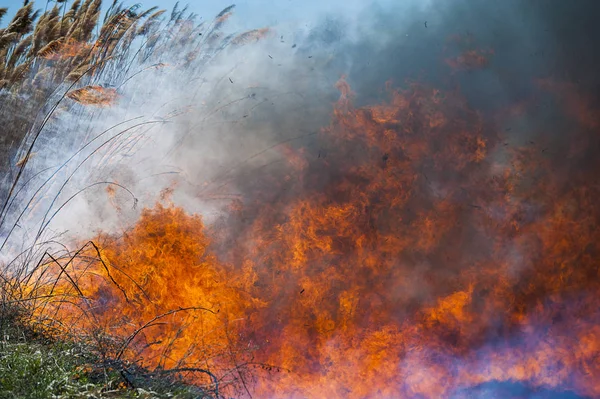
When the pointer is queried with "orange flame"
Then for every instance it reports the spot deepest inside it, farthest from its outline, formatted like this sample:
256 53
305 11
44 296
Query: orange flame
409 262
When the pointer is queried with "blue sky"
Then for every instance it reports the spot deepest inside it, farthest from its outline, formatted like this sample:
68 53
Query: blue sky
206 9
250 13
203 8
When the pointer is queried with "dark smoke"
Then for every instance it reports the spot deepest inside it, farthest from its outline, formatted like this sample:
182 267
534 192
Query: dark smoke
530 40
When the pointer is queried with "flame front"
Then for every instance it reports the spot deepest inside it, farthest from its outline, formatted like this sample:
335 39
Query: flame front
409 254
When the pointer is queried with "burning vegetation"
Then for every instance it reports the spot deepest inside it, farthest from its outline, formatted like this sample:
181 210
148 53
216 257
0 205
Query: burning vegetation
419 258
415 249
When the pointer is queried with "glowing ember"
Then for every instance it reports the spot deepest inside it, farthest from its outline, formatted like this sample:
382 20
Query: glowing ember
419 258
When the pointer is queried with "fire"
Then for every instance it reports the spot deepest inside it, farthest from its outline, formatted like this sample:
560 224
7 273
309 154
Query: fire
153 284
418 258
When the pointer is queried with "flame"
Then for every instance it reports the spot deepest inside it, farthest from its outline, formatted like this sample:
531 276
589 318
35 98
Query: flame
418 258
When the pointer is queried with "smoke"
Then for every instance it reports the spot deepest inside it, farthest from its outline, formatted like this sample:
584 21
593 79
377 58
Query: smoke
176 122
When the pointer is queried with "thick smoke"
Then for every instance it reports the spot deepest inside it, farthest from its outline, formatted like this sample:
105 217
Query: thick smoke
246 100
176 123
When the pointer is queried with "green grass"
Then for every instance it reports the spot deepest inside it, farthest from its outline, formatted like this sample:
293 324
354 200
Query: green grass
34 367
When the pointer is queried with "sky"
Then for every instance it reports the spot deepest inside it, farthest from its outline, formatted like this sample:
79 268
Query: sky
251 13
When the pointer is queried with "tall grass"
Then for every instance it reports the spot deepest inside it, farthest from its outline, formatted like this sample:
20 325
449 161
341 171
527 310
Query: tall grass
64 58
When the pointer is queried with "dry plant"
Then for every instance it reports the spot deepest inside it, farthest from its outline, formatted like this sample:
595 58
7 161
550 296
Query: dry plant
64 58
